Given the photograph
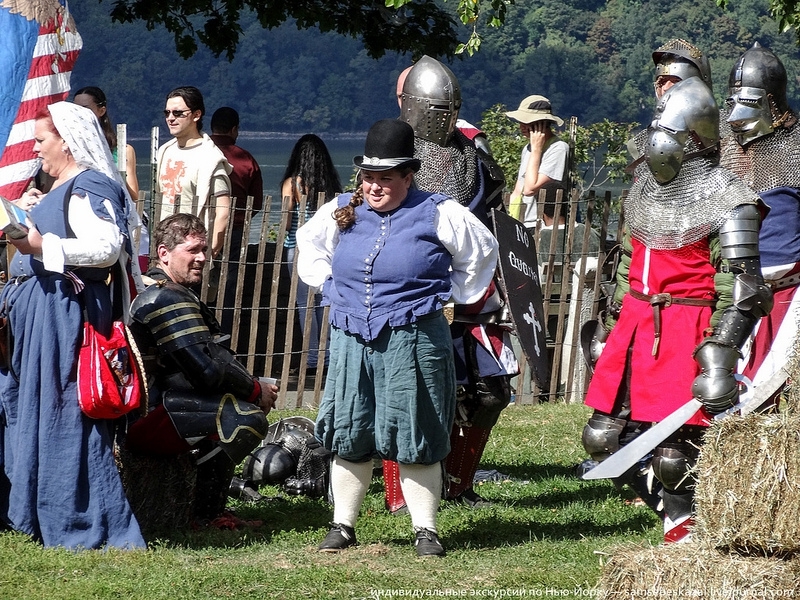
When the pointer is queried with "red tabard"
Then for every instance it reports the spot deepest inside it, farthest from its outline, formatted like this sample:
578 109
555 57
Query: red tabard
661 383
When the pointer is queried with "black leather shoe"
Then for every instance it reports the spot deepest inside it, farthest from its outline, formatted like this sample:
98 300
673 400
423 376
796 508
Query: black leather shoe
471 499
428 544
338 538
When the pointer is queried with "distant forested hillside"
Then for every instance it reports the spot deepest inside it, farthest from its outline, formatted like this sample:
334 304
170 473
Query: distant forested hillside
590 57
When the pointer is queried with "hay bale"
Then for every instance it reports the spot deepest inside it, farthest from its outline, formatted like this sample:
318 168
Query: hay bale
748 484
160 490
695 570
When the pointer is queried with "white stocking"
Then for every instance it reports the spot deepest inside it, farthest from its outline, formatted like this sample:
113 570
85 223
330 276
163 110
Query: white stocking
349 483
422 489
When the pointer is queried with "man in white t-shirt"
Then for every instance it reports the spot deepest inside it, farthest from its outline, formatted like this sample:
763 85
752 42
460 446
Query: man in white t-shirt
544 159
191 169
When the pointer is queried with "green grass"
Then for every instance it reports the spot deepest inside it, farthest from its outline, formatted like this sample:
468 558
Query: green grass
546 535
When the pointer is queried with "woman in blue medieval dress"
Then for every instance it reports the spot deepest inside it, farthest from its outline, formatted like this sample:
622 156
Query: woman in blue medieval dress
59 482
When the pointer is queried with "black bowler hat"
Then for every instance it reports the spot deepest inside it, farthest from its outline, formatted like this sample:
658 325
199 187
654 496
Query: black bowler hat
389 145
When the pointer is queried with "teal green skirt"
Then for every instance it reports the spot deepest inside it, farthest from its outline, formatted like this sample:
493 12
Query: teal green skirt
392 398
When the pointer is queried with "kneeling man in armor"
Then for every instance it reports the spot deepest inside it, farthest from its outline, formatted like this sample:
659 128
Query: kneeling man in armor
201 399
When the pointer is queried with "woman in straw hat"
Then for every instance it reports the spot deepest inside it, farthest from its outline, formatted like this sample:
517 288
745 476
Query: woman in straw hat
388 258
544 160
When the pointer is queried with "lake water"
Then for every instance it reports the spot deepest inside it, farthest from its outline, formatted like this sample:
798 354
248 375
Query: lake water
272 155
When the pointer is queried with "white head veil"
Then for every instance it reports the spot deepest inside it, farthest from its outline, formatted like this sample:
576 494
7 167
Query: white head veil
79 128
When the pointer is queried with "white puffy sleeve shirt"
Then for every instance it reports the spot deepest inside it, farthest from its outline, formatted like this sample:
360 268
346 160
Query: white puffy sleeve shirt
472 246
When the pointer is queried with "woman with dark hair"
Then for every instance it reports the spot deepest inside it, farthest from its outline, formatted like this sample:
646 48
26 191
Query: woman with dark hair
58 479
94 99
388 258
310 172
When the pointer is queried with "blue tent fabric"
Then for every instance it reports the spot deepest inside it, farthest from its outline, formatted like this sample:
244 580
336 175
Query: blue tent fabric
16 51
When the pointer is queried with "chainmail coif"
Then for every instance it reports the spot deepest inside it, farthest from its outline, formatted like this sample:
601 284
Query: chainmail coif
450 170
767 162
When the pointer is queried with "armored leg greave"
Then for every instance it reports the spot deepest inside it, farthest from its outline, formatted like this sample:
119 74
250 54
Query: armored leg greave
466 448
672 461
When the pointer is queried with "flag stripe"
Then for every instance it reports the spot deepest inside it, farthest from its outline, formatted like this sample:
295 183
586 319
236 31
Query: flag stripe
47 81
48 43
42 66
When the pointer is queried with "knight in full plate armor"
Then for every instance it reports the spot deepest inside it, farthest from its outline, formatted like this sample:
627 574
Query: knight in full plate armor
689 291
202 400
674 61
452 164
763 149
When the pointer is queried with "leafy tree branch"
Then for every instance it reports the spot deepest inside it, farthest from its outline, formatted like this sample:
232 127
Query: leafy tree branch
415 26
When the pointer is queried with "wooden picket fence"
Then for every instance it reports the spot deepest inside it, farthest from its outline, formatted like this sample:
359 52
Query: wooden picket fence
256 303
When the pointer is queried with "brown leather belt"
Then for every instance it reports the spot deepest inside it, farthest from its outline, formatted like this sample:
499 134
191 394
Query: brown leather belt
784 282
659 301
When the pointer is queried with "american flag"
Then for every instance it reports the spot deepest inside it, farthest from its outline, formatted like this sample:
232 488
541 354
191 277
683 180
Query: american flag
38 48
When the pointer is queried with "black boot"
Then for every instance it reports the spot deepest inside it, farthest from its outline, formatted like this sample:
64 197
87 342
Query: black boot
214 474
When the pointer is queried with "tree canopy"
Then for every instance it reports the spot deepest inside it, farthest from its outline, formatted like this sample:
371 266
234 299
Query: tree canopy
591 58
785 12
415 26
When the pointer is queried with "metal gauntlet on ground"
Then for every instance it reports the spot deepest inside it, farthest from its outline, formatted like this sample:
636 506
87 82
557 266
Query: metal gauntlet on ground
718 354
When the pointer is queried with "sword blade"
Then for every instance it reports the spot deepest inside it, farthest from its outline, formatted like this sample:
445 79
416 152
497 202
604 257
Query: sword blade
763 391
622 460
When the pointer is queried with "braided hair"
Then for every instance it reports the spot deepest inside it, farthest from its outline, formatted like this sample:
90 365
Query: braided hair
345 216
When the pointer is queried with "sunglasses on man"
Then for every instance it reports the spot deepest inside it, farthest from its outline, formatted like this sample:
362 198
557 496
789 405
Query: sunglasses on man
178 114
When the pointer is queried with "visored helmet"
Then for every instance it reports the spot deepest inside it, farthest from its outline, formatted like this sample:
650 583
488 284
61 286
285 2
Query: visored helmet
269 464
686 119
683 60
430 101
757 88
277 457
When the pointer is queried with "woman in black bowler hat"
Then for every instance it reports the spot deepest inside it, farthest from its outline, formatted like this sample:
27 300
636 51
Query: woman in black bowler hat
388 257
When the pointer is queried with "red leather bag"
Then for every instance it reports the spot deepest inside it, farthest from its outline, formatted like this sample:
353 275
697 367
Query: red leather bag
111 378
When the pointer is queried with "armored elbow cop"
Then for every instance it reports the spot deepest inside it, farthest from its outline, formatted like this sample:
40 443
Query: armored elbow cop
739 246
718 354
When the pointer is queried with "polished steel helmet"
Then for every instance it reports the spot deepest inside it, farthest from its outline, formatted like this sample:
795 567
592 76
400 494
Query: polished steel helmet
681 59
286 425
269 464
430 100
277 457
757 88
686 119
